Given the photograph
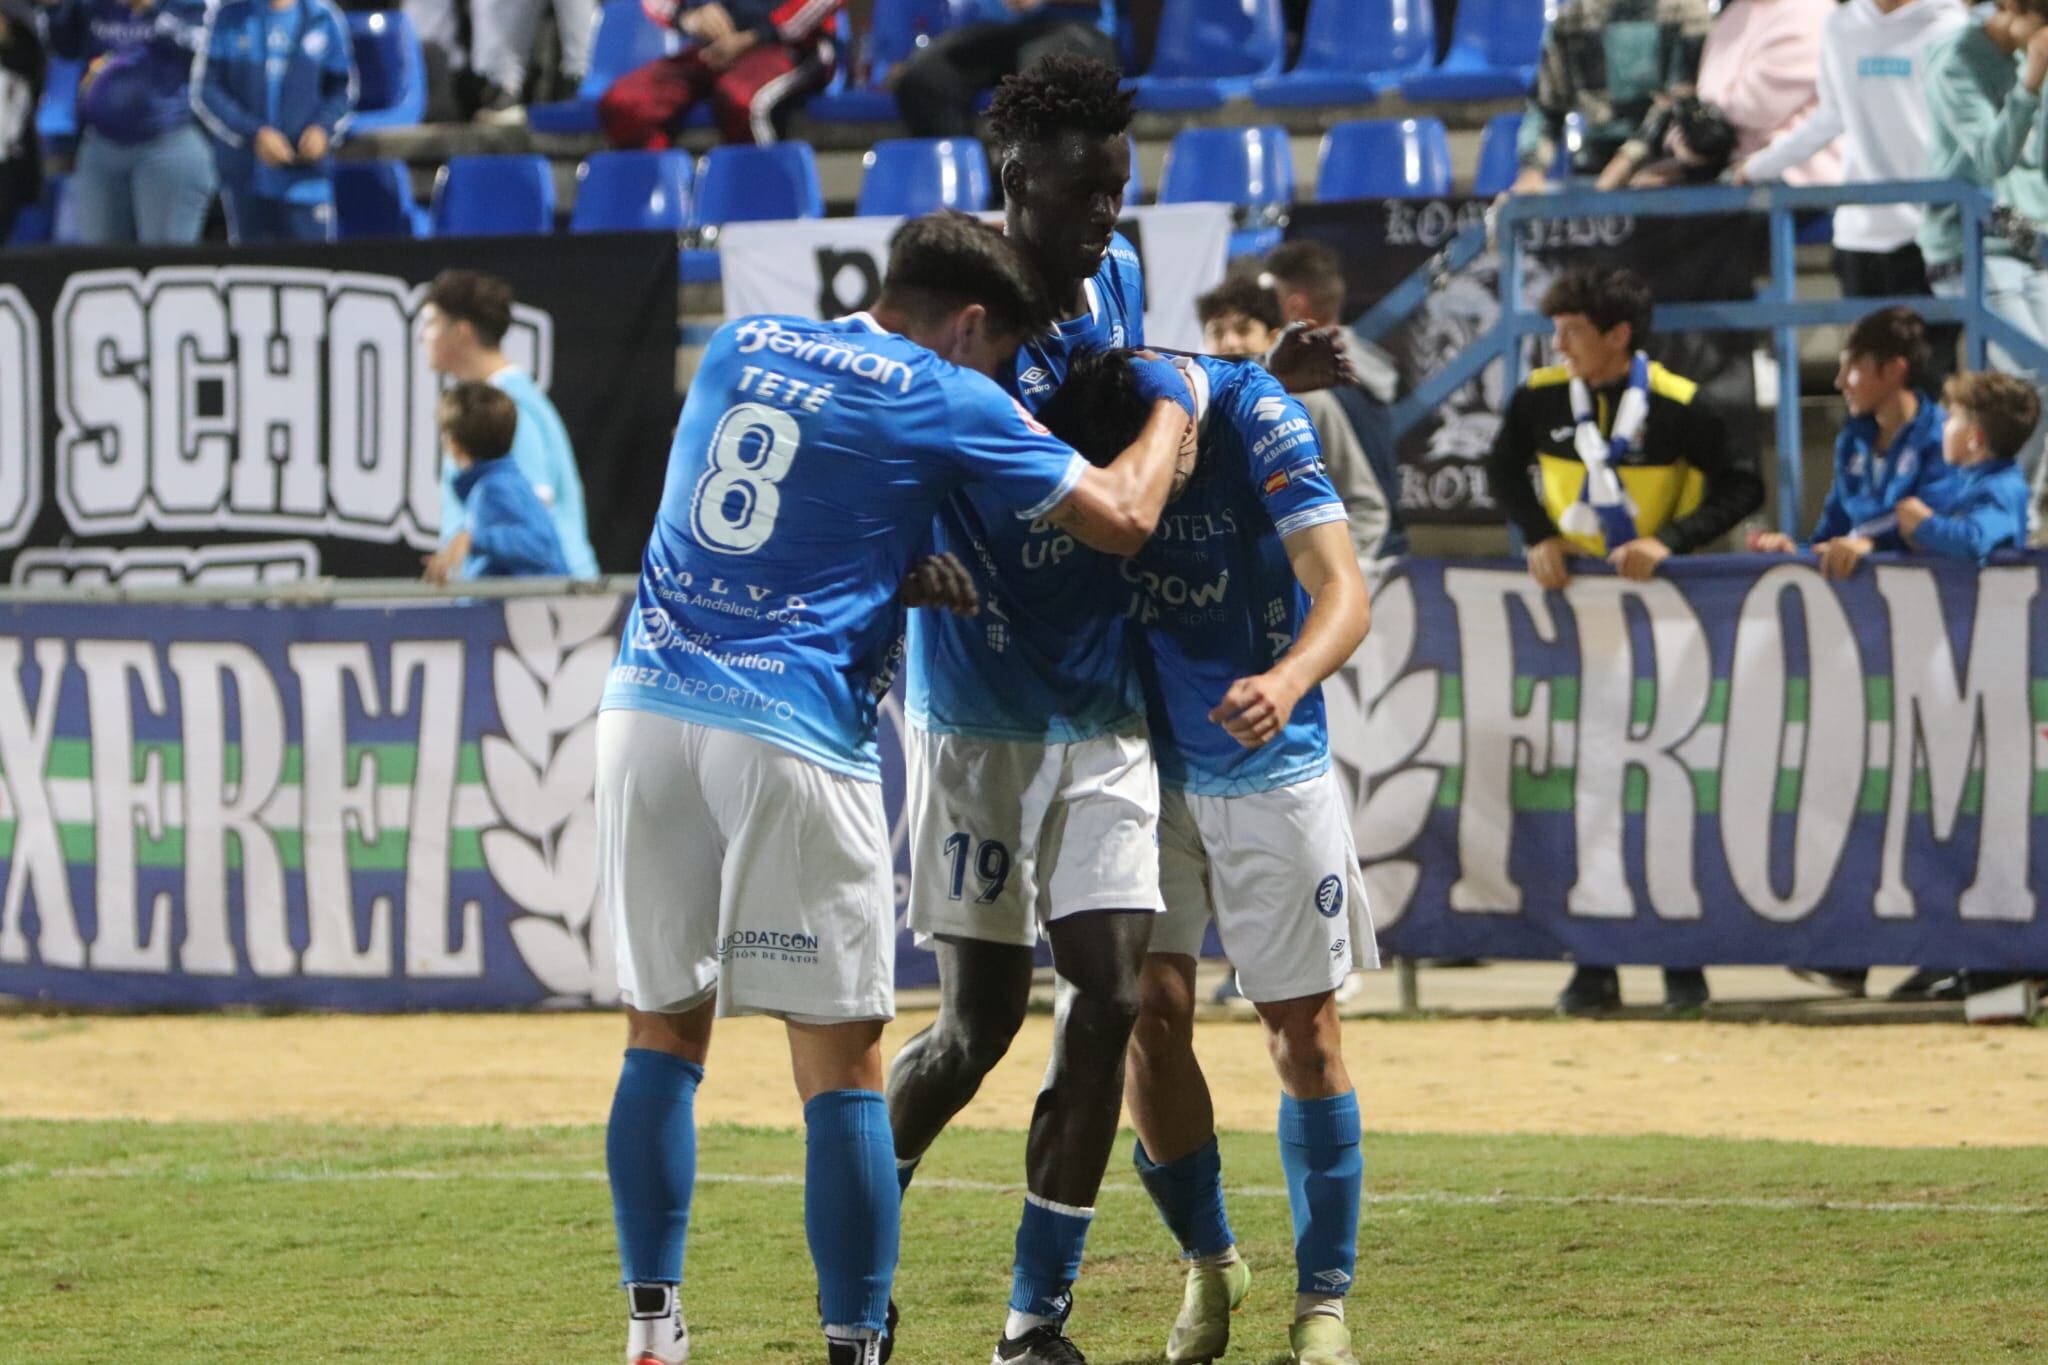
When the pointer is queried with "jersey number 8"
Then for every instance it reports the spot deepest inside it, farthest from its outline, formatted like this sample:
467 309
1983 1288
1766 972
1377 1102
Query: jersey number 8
737 500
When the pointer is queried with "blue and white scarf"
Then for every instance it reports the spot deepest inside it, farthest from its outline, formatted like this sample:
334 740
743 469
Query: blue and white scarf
1604 509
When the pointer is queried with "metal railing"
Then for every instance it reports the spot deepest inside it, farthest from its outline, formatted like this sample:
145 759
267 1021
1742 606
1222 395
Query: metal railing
1776 309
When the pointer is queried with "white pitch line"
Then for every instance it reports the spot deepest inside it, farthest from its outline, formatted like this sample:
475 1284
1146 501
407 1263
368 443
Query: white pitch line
1396 1198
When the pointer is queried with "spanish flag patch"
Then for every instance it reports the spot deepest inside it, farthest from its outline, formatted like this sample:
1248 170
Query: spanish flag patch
1277 480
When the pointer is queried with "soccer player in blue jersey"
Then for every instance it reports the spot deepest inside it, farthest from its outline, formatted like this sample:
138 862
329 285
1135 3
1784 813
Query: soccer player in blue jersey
1248 597
1032 798
744 861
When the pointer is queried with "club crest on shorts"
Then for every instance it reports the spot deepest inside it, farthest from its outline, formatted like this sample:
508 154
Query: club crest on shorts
1330 896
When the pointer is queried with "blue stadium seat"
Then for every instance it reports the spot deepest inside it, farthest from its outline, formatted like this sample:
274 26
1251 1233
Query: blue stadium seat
1209 50
374 199
752 185
622 37
1498 161
633 192
909 176
57 116
494 196
51 220
896 30
1252 168
1353 51
1494 47
1406 158
391 71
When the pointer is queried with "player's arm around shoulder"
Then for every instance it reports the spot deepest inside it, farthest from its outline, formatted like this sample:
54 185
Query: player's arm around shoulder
1115 509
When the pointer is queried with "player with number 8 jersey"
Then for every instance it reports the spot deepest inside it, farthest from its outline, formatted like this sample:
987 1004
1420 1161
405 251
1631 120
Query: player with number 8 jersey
744 859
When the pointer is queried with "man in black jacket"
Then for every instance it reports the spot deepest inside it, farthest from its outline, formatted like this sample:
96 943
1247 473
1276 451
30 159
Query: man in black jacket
21 88
1610 454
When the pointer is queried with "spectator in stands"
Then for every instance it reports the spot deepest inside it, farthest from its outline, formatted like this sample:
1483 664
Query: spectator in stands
755 60
275 84
1241 320
936 90
466 318
1606 61
1991 417
1760 72
506 533
1984 95
1889 449
501 46
1873 97
145 171
1608 454
21 90
1308 279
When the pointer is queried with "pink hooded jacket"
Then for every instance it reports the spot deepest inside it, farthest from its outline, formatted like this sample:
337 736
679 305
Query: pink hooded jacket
1761 66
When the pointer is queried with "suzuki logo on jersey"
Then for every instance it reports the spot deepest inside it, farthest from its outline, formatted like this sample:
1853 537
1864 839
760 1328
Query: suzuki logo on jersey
1329 900
1269 409
1283 438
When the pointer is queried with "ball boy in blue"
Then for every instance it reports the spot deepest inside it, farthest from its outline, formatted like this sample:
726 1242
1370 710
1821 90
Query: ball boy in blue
744 859
1984 506
1248 597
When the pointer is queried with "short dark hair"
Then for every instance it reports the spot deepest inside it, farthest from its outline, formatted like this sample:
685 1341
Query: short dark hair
1606 295
483 301
1098 409
942 262
1064 93
1240 296
1310 267
480 419
1892 334
2004 407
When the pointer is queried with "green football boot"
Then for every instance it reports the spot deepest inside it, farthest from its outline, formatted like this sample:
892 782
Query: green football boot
1321 1340
1203 1329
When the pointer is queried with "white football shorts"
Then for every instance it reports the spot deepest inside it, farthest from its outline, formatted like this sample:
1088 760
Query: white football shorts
727 863
1278 871
1008 835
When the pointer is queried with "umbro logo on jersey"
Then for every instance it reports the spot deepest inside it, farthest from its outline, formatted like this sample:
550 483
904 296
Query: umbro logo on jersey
1034 376
1269 409
1329 896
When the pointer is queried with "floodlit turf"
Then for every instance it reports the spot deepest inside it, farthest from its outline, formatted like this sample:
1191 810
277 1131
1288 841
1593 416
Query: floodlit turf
281 1243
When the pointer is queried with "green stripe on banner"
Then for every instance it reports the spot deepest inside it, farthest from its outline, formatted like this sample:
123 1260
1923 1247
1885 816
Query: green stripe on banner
396 763
387 854
1450 697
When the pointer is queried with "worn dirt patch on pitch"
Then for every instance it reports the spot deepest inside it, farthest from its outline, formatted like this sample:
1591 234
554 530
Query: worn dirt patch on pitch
1905 1085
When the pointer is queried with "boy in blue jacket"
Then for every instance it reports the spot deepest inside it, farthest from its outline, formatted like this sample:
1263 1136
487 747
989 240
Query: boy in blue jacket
275 84
509 534
1889 449
1984 507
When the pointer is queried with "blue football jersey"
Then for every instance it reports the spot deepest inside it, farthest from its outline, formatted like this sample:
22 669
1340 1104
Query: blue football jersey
809 463
1047 658
1215 592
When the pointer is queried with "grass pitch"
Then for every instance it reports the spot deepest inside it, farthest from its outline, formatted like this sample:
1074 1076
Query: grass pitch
301 1243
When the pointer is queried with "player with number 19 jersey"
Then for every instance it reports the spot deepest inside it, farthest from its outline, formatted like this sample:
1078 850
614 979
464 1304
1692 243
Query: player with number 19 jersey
791 513
1047 658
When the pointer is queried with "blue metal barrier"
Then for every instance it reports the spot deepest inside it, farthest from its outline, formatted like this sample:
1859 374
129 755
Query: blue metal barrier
1776 309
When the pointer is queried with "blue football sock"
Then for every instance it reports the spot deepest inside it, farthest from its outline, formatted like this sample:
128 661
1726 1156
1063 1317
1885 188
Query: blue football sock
1189 1196
650 1150
1319 1156
1050 1238
850 1205
905 1170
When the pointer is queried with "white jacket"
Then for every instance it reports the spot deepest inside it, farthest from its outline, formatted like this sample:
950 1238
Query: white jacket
1873 95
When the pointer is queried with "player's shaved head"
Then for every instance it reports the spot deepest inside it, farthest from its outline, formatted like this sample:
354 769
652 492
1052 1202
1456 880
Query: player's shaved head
945 262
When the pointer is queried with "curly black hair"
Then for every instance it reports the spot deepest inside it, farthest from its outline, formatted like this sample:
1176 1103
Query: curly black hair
1098 408
1064 93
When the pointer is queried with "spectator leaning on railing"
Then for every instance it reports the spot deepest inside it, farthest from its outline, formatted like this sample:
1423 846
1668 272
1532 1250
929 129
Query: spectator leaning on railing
275 85
1872 96
21 89
1606 61
1986 127
936 89
145 171
755 60
1608 454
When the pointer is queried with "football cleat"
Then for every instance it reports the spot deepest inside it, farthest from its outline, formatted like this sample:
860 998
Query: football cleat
1202 1331
656 1332
1042 1345
1321 1340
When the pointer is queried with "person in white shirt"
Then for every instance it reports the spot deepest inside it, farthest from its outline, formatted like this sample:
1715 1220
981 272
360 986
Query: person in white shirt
1873 96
